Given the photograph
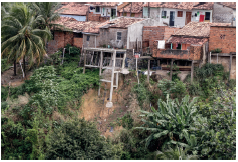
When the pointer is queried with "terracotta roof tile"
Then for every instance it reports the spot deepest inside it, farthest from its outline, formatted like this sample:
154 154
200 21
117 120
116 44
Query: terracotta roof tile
195 41
122 5
121 22
74 9
109 4
198 29
182 5
73 24
136 8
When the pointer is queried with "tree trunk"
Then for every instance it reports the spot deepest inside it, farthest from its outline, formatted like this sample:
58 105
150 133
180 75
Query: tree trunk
15 68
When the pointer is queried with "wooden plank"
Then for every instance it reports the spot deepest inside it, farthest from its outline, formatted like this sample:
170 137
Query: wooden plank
192 69
104 80
148 76
101 59
92 66
84 63
171 69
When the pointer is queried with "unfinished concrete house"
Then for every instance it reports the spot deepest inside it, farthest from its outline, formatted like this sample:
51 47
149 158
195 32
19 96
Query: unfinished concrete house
122 33
72 34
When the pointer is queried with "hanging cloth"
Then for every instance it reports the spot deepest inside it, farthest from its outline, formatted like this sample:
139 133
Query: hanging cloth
201 18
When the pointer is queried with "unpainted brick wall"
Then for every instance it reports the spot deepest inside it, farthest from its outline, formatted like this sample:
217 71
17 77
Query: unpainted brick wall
223 38
78 42
61 39
96 17
194 53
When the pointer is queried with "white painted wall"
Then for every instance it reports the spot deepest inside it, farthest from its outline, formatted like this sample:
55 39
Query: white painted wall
135 30
180 21
103 11
200 12
154 12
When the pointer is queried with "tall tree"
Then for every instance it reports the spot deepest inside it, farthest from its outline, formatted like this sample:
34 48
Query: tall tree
20 35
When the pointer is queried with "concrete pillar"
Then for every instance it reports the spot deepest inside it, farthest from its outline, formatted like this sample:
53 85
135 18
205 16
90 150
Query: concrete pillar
112 78
100 71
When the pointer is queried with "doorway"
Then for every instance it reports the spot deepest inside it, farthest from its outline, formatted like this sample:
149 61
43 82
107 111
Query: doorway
171 18
188 17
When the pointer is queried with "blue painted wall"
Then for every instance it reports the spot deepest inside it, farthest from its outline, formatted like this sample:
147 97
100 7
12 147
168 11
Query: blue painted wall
78 18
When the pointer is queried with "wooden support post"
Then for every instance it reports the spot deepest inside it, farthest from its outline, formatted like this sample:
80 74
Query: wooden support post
171 69
117 80
84 62
91 59
112 77
148 76
100 71
230 64
158 62
192 69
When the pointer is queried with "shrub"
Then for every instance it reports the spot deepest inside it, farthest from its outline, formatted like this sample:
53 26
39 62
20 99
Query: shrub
79 139
175 89
217 50
4 65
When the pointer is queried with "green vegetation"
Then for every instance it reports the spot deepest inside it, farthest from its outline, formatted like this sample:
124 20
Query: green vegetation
40 118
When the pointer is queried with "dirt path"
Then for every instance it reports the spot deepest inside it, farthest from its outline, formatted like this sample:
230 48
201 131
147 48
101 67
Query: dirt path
8 77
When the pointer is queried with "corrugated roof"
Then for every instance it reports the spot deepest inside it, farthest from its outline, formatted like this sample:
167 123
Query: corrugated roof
136 8
198 29
74 9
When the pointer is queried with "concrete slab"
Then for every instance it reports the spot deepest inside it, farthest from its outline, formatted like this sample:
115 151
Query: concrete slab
109 104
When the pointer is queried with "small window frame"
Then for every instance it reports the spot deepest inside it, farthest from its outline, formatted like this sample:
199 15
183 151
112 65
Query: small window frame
119 36
88 37
206 17
164 14
180 14
97 9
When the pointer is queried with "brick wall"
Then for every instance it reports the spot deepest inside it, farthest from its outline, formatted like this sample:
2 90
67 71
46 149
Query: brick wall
78 42
194 53
223 38
61 39
152 33
96 17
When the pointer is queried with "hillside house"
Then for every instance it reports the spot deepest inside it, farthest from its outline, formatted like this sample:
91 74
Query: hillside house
187 44
72 34
107 10
76 11
122 32
179 14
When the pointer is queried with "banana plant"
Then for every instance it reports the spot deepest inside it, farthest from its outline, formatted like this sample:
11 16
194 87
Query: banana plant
170 120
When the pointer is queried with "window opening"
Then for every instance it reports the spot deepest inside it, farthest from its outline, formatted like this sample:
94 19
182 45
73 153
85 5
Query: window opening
88 37
118 35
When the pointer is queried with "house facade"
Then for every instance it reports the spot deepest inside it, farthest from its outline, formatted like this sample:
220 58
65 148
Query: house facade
122 32
179 15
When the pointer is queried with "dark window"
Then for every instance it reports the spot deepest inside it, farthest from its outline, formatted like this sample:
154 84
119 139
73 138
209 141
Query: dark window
168 46
179 46
132 15
88 37
97 9
78 35
118 35
164 14
53 35
207 15
124 14
180 13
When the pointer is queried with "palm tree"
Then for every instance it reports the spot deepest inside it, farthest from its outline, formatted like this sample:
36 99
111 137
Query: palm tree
49 12
20 36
